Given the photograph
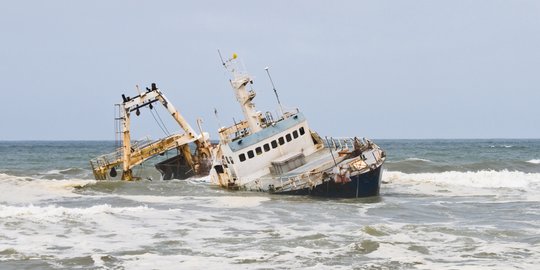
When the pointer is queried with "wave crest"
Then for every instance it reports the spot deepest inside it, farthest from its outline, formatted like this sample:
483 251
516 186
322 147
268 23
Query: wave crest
54 213
534 161
478 179
28 189
418 159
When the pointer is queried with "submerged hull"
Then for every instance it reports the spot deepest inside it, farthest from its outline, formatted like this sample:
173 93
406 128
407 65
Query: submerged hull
178 168
362 185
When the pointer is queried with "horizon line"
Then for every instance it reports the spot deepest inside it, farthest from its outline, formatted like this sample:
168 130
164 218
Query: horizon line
109 140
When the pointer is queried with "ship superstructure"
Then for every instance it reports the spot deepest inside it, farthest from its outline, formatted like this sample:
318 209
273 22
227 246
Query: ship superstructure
284 155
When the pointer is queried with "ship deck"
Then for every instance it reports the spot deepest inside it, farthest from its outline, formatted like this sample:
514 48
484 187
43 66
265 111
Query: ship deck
320 160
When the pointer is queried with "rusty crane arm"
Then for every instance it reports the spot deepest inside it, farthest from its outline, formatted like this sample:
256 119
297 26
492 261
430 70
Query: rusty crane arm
130 155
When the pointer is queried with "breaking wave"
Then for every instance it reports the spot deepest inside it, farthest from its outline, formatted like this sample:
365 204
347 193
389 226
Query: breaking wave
501 146
420 165
534 161
452 183
418 159
66 174
54 213
28 189
483 179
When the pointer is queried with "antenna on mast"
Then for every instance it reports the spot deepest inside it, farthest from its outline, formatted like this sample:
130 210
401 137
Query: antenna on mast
217 118
221 57
274 88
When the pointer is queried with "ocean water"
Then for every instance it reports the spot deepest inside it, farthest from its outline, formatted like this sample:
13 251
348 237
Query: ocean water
444 204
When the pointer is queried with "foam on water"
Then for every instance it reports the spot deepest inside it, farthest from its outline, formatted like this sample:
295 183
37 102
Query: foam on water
528 182
501 146
201 179
213 202
446 245
426 218
418 159
534 161
28 189
53 213
63 232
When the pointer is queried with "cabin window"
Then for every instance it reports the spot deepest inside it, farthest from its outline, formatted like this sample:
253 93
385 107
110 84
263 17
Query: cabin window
288 137
295 134
274 144
250 154
258 150
219 169
242 157
281 141
231 160
302 131
266 147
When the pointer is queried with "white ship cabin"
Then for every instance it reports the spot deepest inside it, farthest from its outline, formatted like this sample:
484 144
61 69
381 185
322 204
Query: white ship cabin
259 145
277 148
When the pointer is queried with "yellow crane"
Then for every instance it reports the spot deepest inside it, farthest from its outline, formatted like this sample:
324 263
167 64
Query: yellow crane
131 154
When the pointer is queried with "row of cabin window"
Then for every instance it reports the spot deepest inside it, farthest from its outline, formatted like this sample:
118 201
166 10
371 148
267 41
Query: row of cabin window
281 141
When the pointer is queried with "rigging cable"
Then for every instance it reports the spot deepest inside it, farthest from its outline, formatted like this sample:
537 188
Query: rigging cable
163 128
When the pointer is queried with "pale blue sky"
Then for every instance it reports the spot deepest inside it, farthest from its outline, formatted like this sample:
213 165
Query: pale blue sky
380 69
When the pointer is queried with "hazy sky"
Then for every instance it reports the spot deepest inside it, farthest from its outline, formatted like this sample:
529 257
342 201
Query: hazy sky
379 69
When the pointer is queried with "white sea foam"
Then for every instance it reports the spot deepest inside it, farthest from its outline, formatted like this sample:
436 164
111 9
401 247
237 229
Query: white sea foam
270 236
202 179
55 171
214 201
28 190
501 146
418 159
155 261
235 201
62 171
53 213
534 161
484 179
464 183
64 232
428 248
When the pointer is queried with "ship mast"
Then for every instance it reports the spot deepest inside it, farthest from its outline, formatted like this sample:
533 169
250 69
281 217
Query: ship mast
243 96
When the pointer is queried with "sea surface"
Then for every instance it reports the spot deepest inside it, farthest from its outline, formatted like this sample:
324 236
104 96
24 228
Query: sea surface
444 204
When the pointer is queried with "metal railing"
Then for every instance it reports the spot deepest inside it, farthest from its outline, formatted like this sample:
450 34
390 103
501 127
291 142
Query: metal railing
116 156
343 143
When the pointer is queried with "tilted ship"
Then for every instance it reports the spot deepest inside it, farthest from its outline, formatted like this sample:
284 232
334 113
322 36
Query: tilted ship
259 153
284 156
